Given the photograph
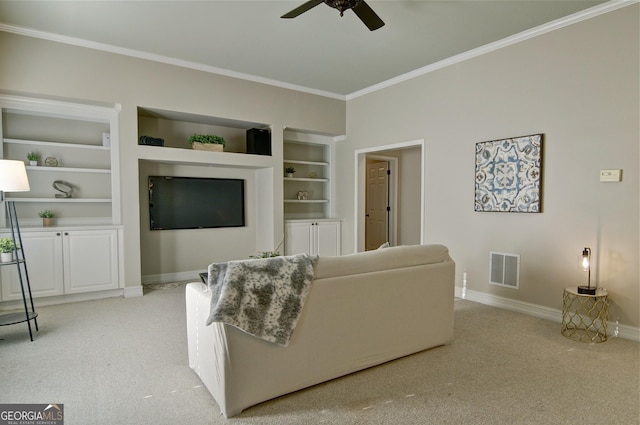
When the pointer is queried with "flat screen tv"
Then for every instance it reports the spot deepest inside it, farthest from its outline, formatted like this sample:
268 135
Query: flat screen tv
195 202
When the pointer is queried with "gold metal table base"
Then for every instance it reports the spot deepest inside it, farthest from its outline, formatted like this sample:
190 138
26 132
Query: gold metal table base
585 317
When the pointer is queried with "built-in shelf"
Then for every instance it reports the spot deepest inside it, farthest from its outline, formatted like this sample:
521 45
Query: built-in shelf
305 179
63 200
295 161
78 144
307 194
306 201
81 140
175 157
68 169
178 156
57 144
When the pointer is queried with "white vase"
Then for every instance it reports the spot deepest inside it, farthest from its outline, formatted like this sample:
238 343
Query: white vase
33 163
6 257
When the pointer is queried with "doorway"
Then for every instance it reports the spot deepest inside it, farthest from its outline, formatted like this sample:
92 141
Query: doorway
406 217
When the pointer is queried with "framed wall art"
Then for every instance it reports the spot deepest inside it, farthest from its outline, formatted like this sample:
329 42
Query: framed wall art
509 175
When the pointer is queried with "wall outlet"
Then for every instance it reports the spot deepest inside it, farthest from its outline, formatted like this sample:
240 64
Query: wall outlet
610 175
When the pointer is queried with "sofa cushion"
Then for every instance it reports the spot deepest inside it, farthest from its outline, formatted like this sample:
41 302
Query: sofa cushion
382 259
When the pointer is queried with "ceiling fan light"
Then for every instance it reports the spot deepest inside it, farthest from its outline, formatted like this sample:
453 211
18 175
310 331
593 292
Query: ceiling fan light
342 5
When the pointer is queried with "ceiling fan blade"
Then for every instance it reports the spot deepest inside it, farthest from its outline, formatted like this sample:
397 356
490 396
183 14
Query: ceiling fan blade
368 16
301 9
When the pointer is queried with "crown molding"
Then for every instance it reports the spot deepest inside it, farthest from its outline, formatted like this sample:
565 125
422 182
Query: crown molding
505 42
525 35
28 32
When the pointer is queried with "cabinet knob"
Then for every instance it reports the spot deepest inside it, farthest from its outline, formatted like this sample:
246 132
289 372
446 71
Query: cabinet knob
58 234
66 233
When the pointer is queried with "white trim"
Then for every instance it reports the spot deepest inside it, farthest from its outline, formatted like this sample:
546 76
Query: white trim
132 291
623 331
28 32
496 45
64 299
592 12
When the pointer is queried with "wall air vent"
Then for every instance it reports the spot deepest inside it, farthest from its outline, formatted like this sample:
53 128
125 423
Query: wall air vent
504 269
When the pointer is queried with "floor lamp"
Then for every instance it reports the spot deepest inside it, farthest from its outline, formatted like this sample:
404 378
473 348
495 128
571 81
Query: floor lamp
13 178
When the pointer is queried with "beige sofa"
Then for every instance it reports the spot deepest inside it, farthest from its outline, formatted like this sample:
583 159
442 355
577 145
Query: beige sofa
363 309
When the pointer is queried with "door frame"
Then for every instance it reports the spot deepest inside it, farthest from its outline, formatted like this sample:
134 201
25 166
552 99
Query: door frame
359 210
393 196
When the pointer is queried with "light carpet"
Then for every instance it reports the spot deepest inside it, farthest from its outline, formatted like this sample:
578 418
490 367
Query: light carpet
124 361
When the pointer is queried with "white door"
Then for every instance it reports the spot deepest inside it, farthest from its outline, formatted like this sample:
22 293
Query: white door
377 201
327 238
90 260
43 255
298 238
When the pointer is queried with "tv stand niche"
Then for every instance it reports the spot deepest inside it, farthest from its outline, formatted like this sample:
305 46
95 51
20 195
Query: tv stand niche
177 158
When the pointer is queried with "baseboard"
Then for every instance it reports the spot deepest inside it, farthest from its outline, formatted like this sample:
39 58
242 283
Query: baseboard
132 291
172 277
616 329
62 299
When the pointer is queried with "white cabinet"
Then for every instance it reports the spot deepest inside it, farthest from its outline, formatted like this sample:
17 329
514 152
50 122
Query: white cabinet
314 237
90 260
77 144
43 254
65 262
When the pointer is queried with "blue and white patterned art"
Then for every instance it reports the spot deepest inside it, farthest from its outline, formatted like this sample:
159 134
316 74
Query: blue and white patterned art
508 174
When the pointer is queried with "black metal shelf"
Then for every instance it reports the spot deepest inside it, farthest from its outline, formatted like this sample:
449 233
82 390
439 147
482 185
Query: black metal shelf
28 314
13 318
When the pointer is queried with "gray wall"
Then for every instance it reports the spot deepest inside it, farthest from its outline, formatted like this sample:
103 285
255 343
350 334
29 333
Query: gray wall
31 66
579 87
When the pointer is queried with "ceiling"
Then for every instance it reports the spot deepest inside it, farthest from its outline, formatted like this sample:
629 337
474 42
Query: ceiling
318 51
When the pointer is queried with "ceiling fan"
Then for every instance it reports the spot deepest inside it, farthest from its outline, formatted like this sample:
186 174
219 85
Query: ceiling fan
359 7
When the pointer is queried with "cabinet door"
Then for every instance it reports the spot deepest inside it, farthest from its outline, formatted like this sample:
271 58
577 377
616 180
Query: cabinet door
327 238
43 254
298 238
90 260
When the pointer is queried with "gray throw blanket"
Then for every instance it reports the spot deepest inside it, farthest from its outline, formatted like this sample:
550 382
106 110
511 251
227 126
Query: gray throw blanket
263 297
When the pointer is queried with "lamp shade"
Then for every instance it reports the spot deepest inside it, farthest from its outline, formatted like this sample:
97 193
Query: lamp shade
13 176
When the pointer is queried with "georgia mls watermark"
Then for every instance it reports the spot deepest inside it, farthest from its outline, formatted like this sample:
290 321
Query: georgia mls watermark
31 414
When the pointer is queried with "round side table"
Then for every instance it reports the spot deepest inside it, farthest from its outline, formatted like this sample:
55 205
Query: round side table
584 316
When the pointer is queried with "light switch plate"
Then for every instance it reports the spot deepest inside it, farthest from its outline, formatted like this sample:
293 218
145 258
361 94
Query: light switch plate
610 175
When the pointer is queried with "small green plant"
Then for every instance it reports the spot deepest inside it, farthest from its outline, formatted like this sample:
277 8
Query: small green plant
33 156
289 170
7 245
47 214
266 254
207 138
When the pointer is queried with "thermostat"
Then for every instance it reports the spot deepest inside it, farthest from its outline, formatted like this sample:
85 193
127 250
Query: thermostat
610 175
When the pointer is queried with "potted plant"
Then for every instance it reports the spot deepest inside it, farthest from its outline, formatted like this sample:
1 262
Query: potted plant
7 247
33 158
289 171
207 142
47 217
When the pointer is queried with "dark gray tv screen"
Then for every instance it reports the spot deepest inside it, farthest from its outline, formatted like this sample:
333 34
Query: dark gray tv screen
195 202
